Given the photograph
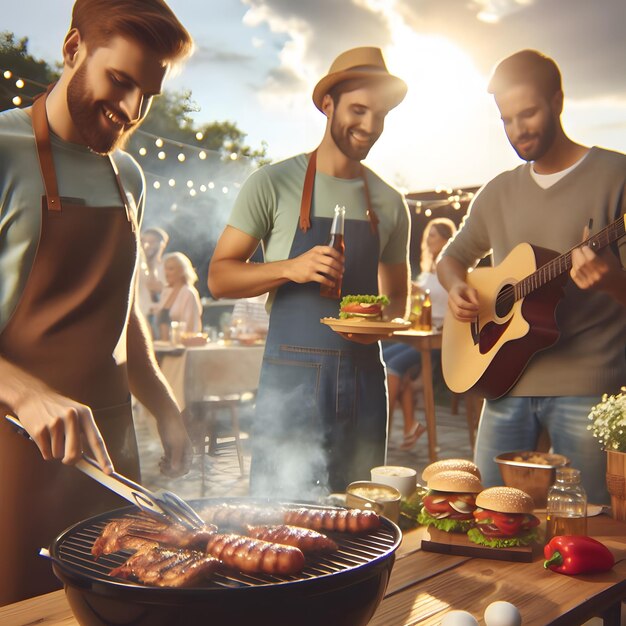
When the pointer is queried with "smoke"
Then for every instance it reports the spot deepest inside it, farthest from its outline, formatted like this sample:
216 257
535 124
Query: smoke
192 201
289 459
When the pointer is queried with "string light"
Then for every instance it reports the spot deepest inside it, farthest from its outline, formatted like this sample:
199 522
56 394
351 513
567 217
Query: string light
454 198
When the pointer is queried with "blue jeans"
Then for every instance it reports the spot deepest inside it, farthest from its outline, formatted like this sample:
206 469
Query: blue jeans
514 423
399 358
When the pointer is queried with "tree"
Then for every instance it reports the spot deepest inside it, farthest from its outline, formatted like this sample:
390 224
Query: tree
14 58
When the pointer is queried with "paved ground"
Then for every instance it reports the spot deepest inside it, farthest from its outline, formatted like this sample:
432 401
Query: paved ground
222 474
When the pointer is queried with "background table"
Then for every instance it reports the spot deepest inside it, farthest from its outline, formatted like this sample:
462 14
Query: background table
425 342
217 369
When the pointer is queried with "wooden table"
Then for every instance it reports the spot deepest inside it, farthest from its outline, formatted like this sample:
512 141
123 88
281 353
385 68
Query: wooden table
426 585
425 342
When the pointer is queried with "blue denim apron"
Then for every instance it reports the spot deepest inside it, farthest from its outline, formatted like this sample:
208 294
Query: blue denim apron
321 416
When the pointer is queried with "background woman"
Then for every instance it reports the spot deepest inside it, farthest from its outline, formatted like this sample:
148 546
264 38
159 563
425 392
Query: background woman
180 300
402 360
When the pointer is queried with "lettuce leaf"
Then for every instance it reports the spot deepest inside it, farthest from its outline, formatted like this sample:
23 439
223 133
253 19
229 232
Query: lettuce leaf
445 524
500 542
382 300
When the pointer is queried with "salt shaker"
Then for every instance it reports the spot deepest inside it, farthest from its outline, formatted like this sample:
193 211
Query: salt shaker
566 511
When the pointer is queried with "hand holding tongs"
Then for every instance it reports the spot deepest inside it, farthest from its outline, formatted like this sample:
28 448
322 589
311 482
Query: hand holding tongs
162 503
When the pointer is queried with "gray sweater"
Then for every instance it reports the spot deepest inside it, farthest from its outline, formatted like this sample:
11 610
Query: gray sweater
589 357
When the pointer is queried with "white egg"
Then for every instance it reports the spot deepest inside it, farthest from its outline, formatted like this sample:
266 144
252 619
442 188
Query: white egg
459 618
502 614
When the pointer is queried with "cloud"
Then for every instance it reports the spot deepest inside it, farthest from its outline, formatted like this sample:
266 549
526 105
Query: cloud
314 34
583 42
206 55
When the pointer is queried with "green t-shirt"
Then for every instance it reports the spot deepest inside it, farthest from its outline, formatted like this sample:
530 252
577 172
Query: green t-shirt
81 174
268 207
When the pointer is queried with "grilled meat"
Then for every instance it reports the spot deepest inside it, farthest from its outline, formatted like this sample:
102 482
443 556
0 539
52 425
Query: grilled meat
340 520
304 538
163 567
240 515
254 555
134 532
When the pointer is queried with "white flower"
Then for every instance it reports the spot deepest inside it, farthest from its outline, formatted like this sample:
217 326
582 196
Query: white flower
608 421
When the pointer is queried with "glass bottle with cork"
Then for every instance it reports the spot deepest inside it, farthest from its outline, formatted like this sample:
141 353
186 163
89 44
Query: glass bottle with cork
566 511
335 240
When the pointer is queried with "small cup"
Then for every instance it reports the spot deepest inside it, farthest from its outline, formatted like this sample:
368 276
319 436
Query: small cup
177 330
404 479
382 499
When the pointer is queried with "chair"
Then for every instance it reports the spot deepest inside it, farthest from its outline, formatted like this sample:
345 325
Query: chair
218 380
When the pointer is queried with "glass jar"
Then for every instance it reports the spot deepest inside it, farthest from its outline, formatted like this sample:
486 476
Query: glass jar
566 511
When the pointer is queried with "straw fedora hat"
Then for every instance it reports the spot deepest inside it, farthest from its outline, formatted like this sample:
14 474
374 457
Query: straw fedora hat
366 62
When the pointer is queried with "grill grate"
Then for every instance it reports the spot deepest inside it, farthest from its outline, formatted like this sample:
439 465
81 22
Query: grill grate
73 553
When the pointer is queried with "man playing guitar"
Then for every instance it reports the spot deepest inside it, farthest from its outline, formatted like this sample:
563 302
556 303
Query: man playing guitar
564 193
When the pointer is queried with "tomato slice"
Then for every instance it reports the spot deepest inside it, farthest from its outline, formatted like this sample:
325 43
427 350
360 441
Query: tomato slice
508 524
439 502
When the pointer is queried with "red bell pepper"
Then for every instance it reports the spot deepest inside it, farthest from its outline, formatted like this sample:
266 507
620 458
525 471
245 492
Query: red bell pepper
577 554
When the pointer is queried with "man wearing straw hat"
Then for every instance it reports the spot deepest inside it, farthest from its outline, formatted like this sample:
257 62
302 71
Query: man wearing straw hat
321 408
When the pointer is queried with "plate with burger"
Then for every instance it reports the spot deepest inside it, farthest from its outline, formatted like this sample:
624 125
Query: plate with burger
504 518
451 500
364 315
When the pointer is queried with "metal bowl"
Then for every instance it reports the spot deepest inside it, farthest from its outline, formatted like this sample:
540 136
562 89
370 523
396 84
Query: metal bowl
532 472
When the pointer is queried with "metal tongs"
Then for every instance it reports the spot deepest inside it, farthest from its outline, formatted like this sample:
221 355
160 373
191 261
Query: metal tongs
162 503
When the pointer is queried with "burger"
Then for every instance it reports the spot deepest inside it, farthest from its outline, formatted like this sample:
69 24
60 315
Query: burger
504 518
450 464
362 306
450 501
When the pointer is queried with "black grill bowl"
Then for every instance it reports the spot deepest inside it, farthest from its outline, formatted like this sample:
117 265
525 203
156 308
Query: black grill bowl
343 588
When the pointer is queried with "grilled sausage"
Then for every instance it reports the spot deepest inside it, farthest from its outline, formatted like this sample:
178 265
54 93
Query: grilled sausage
340 520
255 556
240 515
304 538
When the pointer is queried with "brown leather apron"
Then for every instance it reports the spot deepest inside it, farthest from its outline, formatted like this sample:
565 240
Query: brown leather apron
64 330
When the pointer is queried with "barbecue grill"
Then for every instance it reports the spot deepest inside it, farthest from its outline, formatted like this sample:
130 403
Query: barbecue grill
341 588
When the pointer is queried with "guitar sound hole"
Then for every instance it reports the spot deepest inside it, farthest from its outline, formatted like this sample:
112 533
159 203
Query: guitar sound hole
505 301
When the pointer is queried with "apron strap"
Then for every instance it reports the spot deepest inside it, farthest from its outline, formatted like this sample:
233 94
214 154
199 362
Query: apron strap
46 162
307 197
307 193
44 151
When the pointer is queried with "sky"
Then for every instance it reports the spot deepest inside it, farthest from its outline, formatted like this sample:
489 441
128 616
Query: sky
257 61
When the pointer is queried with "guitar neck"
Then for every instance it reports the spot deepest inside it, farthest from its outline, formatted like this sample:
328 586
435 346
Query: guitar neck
563 263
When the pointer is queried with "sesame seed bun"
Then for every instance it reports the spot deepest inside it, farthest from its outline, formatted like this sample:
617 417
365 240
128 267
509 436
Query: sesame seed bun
450 464
455 481
505 500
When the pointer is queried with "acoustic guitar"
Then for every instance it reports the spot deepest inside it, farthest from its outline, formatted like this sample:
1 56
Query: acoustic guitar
516 316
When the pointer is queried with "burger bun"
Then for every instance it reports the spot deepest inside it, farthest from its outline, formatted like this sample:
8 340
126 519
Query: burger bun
450 464
455 481
505 500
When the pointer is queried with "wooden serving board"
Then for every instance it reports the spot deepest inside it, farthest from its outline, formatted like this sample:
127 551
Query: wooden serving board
436 540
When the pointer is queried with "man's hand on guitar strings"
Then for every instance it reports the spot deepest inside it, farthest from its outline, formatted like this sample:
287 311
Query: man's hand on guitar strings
463 302
591 270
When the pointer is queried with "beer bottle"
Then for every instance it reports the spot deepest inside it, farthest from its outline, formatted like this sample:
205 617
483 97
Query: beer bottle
335 240
426 315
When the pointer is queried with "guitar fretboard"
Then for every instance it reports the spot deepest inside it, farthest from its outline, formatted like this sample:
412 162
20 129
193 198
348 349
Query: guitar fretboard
563 263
